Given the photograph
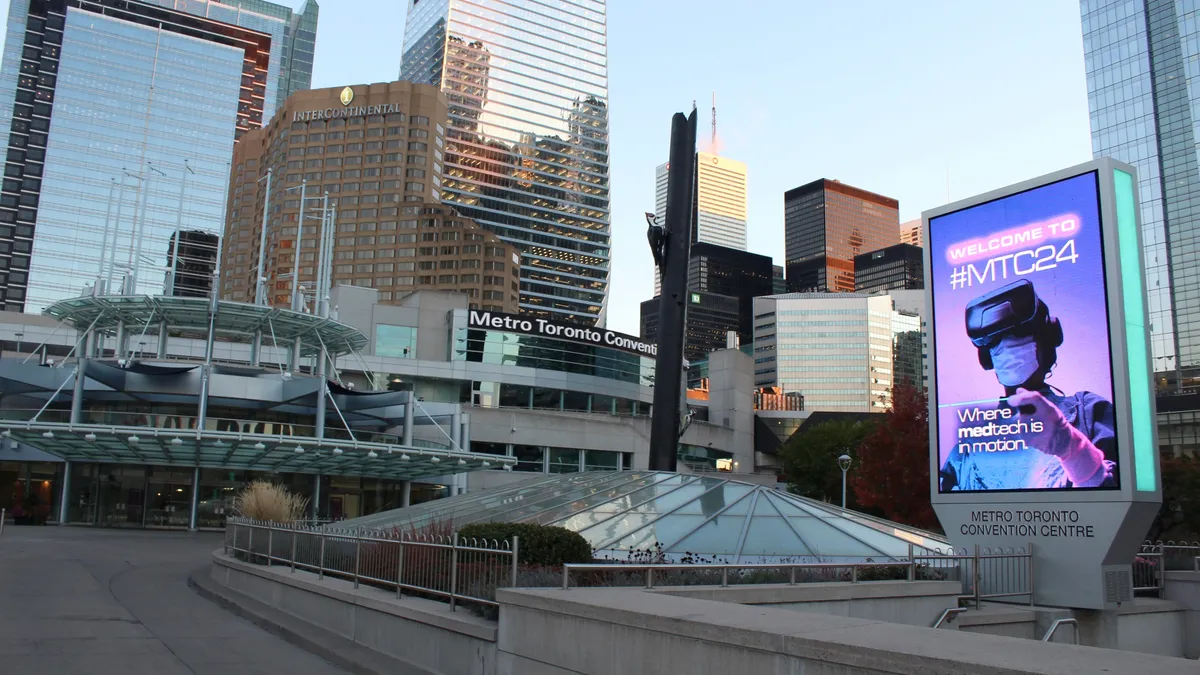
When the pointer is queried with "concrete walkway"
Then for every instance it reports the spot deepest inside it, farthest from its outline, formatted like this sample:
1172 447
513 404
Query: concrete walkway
86 601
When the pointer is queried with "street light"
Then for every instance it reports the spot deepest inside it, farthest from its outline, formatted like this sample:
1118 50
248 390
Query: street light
844 463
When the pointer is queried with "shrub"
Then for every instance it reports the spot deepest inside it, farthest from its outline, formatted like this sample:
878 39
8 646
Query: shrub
540 544
262 500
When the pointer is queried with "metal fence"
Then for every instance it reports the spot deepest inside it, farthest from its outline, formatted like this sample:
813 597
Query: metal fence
445 567
984 573
1158 557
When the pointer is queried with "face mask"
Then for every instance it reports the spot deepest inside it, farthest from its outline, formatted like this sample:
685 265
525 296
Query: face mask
1015 360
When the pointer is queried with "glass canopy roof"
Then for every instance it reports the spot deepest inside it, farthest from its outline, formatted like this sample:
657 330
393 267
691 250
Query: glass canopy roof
189 317
625 511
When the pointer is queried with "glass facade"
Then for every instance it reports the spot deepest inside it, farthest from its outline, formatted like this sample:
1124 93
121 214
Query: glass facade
489 346
827 224
527 137
1142 59
122 122
893 268
619 513
840 352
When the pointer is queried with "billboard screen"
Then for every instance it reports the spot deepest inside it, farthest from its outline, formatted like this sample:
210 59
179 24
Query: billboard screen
1021 343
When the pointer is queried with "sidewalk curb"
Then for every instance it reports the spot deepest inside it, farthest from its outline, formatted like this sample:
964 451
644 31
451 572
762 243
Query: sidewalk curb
327 645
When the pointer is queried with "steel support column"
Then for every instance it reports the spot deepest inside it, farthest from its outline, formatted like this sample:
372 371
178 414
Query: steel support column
163 339
195 499
63 501
316 505
256 348
409 415
406 493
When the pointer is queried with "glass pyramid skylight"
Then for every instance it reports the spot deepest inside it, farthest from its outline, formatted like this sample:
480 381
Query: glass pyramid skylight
625 511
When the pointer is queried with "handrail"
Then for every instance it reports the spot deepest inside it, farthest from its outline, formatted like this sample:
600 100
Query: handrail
1059 622
947 616
649 569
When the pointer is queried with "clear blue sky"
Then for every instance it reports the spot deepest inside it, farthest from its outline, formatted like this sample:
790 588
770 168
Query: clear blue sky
888 96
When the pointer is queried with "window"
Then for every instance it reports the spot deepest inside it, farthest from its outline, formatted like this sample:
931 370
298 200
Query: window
418 133
529 457
376 131
414 187
453 236
427 251
449 250
420 119
413 173
447 279
469 264
493 265
415 145
448 265
471 249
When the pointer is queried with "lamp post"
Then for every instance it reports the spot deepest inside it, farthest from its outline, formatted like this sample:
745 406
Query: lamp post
844 463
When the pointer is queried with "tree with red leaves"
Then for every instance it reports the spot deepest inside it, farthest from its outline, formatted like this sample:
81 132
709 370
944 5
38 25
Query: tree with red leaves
893 462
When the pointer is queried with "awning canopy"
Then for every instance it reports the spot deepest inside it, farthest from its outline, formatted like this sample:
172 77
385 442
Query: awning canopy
189 318
237 450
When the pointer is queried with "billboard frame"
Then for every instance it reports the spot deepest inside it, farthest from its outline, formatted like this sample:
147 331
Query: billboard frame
1118 327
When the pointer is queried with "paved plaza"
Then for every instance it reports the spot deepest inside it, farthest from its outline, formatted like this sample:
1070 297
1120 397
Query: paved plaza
93 602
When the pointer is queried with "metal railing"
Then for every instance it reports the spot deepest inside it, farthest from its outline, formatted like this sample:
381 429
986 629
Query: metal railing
948 615
984 573
444 567
1158 557
1061 622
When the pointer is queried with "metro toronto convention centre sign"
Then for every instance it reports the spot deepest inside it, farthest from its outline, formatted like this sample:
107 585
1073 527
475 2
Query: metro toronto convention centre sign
599 337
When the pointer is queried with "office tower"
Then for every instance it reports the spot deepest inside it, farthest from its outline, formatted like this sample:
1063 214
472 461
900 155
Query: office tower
728 271
841 351
719 202
710 318
778 280
1141 96
910 232
526 143
369 150
121 118
893 268
191 275
826 224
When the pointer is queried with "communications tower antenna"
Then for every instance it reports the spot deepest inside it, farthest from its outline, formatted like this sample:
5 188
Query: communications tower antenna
714 123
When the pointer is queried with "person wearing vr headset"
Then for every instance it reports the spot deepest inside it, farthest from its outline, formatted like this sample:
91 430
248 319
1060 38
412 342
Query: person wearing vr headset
1074 447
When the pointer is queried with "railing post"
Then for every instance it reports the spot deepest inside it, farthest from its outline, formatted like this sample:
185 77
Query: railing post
649 577
792 576
399 565
234 535
295 536
357 556
321 560
853 574
978 576
724 577
1 521
250 546
566 586
453 572
1030 549
516 549
912 564
270 540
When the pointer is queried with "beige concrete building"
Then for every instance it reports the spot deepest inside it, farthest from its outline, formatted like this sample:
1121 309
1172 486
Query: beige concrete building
375 152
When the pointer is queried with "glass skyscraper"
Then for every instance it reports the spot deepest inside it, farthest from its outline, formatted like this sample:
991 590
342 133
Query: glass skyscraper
527 137
1142 59
122 117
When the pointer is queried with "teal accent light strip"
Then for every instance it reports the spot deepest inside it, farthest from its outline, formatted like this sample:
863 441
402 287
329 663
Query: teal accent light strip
1133 296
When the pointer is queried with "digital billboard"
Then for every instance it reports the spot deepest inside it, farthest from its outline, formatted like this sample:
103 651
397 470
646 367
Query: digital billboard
1021 344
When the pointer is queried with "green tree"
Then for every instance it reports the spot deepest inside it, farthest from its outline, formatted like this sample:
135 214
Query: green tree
894 473
1179 515
810 459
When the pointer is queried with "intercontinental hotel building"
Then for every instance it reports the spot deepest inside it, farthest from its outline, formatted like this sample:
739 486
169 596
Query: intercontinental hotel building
371 156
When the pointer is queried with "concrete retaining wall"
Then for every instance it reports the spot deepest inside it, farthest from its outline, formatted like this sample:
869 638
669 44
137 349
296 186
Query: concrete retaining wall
423 633
625 631
916 603
1184 588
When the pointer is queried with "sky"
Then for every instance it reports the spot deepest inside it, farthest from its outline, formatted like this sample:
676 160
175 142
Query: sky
926 101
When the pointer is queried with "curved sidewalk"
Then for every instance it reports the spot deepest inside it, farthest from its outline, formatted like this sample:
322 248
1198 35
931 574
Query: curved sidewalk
87 601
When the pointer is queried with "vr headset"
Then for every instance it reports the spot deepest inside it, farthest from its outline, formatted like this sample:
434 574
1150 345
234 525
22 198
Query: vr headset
1016 310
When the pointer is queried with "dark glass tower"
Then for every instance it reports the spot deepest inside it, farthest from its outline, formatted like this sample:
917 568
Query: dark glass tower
527 137
826 223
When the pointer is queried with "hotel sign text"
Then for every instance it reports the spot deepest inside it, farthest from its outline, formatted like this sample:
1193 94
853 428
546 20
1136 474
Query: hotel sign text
348 111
